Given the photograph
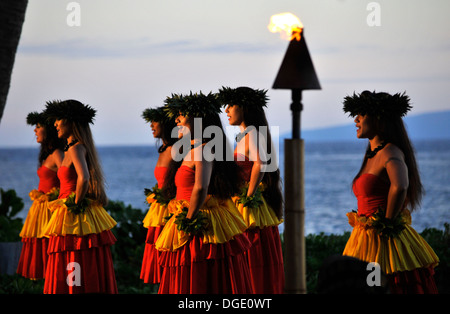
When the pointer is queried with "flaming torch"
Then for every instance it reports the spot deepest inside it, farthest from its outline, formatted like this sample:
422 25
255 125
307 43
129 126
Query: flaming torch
297 74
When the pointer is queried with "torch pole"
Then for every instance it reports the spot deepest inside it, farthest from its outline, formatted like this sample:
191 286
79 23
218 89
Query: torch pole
296 108
294 239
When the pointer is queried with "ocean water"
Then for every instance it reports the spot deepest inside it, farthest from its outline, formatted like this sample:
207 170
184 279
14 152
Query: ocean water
329 170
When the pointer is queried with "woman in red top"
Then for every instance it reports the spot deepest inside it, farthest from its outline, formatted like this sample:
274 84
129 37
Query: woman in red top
161 126
202 245
260 203
80 234
387 188
33 258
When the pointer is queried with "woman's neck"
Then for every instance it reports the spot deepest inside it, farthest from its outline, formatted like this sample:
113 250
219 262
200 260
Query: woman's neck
375 142
70 139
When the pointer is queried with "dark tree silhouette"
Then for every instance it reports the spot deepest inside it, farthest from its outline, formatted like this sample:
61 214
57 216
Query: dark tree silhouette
12 16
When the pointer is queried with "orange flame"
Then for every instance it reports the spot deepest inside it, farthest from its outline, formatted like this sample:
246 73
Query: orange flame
287 24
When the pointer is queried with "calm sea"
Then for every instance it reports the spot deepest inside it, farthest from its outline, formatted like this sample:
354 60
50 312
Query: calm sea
329 170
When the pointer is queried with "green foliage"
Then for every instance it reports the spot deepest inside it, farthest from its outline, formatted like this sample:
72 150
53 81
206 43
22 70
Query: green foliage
16 284
439 240
128 251
10 206
318 248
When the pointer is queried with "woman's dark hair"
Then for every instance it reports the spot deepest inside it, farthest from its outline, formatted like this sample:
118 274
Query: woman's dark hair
225 179
166 124
392 130
79 116
166 134
255 116
50 142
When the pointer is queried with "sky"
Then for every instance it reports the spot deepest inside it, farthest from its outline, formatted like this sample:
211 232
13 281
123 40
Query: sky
126 56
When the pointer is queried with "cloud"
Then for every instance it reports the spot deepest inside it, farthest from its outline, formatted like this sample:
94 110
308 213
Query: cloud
89 48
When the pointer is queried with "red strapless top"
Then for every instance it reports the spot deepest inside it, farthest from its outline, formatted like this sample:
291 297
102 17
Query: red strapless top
160 174
245 166
371 193
47 179
68 181
184 181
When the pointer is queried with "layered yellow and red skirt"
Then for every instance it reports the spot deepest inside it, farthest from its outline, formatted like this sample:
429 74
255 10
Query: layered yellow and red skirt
154 221
33 257
211 262
407 259
79 251
265 256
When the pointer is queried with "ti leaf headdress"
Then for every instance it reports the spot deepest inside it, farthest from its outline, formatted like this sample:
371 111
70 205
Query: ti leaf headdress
155 114
243 96
72 110
34 118
379 105
196 105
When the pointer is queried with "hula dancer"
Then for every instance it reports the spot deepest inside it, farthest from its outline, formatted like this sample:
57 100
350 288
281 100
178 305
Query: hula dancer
260 201
80 234
387 188
161 126
33 258
202 243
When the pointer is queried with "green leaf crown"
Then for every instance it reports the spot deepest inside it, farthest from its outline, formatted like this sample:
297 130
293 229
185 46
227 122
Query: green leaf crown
379 105
197 105
72 110
155 115
243 96
34 118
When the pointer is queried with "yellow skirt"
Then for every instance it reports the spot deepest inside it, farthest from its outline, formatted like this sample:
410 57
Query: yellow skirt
224 223
260 217
94 220
406 252
155 214
39 214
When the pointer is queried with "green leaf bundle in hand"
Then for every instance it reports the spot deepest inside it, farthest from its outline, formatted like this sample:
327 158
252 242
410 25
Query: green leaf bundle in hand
158 195
74 207
253 201
194 226
385 227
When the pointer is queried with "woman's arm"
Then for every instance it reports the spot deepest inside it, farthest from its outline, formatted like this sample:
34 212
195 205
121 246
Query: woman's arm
254 153
256 177
203 171
58 157
397 172
78 156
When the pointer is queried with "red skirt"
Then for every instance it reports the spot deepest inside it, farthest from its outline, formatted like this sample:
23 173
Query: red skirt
151 270
417 281
198 268
33 258
265 260
80 264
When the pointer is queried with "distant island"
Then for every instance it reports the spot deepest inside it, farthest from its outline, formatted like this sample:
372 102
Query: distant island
427 126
